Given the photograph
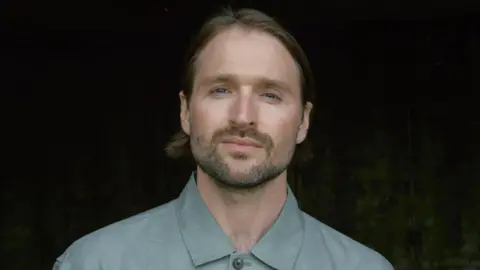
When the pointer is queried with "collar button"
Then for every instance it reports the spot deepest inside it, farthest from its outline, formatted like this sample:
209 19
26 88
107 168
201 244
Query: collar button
237 263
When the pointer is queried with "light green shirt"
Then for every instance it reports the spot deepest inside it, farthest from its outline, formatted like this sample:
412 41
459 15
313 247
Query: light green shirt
183 235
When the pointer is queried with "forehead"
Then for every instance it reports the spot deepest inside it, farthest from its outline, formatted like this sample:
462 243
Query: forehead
248 54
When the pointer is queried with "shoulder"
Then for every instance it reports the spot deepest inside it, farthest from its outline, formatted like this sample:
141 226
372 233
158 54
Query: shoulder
108 246
341 251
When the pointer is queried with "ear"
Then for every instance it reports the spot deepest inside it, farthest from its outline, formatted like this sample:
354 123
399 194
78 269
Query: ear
184 113
303 128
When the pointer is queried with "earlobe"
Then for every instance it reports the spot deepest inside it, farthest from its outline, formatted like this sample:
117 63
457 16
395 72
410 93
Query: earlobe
184 113
303 128
301 134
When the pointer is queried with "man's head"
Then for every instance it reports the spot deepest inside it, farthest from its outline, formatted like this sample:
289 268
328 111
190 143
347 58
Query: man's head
246 105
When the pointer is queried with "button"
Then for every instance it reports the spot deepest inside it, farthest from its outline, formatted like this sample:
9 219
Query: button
237 263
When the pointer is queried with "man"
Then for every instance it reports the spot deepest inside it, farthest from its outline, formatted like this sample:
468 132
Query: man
245 113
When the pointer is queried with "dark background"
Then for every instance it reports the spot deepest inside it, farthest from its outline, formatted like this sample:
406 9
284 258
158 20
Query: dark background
90 99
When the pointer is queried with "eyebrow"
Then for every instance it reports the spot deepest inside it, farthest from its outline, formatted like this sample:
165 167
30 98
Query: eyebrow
222 78
231 78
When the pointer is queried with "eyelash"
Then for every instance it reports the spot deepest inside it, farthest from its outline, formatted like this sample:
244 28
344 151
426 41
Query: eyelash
214 90
274 96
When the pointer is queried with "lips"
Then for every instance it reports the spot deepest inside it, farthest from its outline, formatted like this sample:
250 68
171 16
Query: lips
242 141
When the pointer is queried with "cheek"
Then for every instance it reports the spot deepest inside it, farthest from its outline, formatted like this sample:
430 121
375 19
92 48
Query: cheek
282 129
204 121
287 135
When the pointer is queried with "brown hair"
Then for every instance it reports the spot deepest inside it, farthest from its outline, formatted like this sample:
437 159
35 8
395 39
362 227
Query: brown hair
249 19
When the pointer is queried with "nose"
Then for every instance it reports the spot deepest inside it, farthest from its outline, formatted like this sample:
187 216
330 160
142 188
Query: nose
243 111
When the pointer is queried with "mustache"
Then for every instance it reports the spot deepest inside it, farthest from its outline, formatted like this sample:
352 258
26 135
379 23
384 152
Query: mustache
250 133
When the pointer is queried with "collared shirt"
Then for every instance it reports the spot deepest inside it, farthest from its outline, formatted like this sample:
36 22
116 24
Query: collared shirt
183 235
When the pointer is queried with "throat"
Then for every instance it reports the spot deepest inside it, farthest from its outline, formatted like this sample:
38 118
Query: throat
246 224
245 227
243 244
244 218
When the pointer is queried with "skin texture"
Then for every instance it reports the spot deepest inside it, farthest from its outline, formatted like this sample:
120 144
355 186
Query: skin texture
246 91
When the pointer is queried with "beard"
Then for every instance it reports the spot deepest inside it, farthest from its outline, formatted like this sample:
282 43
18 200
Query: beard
214 165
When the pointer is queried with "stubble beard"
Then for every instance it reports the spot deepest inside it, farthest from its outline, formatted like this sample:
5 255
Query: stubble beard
214 165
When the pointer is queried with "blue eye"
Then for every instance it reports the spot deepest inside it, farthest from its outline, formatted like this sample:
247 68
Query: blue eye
271 96
220 90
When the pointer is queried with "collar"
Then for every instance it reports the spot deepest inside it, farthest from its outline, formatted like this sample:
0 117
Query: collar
278 248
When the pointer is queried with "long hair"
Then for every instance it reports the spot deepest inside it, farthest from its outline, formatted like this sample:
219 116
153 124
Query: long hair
179 145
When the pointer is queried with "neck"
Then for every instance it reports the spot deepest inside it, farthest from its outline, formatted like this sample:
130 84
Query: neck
244 216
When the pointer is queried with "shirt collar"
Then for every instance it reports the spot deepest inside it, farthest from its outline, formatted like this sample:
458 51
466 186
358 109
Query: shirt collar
199 228
279 247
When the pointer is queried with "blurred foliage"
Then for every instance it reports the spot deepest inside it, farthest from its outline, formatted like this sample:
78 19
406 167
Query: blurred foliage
416 210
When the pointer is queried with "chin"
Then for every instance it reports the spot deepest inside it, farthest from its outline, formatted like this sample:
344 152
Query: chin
238 158
240 173
242 167
240 180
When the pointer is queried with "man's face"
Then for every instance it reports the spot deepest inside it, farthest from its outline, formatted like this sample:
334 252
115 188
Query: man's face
245 114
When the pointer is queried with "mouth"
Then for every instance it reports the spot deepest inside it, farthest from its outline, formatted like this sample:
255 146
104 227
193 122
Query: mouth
241 142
